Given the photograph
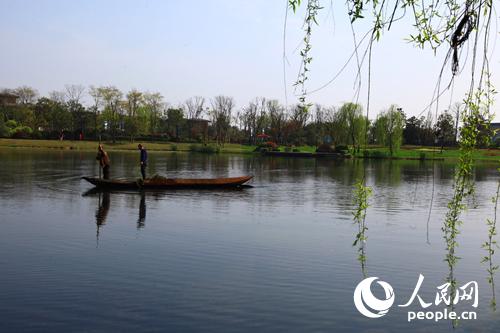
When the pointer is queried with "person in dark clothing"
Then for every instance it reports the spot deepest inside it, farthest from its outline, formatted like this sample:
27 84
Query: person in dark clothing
104 161
144 160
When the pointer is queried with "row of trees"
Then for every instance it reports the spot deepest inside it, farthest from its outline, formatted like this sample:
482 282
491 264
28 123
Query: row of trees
110 113
116 115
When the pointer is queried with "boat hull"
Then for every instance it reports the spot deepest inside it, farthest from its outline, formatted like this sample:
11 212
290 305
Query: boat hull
168 183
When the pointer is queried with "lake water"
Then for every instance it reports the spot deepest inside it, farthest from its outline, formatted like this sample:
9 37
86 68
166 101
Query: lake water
274 257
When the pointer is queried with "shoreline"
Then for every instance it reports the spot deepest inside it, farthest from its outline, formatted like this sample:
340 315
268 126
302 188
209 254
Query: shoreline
405 153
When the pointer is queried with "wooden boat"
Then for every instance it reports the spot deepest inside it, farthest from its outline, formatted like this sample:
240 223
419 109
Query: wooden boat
167 183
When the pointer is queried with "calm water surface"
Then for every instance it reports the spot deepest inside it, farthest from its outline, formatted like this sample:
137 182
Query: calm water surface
275 257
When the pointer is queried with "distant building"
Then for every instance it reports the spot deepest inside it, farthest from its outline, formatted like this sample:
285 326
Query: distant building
8 98
198 128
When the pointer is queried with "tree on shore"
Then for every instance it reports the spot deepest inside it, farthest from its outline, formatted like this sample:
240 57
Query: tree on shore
194 111
154 107
277 120
133 121
354 123
95 93
175 119
27 95
389 129
111 97
221 113
444 130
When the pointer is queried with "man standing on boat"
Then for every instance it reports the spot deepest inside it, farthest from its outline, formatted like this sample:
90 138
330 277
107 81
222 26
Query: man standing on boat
144 160
104 161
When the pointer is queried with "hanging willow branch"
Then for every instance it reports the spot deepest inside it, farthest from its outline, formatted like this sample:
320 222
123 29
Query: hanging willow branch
311 14
437 23
361 195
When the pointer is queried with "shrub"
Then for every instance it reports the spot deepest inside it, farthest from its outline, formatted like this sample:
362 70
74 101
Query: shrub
378 154
268 144
341 149
296 150
11 124
21 132
348 155
422 156
37 135
173 147
3 129
271 144
495 143
204 149
325 148
288 149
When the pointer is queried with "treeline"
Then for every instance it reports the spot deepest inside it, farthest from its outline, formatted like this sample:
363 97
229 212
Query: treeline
111 114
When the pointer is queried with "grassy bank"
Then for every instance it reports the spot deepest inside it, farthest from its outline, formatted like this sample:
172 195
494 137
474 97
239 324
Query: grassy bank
428 153
406 152
92 145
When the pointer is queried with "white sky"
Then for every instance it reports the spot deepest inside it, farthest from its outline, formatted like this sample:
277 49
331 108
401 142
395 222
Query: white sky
230 47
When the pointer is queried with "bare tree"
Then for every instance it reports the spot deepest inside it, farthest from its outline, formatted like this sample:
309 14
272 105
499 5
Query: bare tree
74 92
457 110
194 107
319 123
58 96
97 102
255 118
27 95
277 120
222 107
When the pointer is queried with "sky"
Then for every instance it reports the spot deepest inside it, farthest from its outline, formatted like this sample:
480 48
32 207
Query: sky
236 48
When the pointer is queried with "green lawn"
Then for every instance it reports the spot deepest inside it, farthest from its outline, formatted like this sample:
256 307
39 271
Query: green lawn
432 152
